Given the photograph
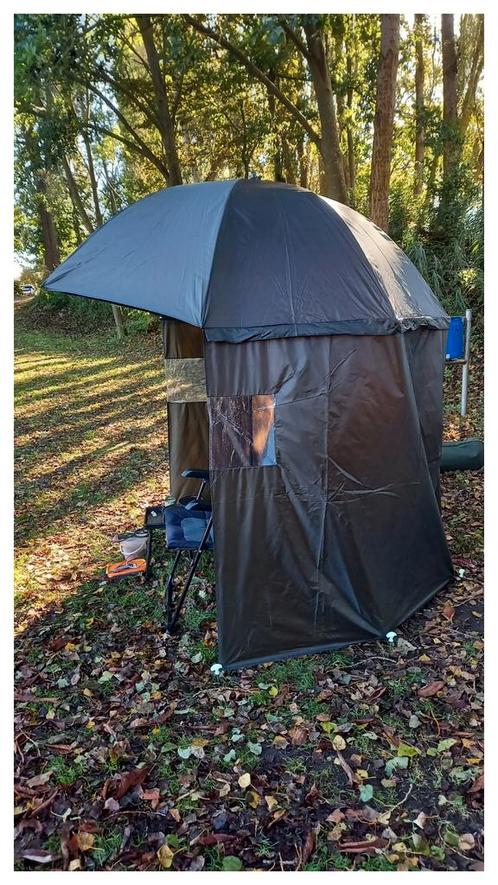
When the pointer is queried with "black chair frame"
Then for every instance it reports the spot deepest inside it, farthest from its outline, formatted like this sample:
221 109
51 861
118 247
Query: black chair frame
172 611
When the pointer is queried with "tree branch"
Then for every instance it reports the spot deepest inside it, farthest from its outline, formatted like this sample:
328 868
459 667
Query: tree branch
303 49
145 150
142 150
256 72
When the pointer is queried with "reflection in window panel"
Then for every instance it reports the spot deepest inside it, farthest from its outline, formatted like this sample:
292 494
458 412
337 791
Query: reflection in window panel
242 431
185 380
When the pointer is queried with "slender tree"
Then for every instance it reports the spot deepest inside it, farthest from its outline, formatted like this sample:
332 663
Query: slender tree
419 104
384 120
450 106
164 115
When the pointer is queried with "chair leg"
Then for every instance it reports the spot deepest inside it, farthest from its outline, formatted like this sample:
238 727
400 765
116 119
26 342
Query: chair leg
168 596
149 554
173 616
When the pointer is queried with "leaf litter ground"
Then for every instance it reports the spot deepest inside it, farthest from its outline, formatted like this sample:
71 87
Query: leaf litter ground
130 755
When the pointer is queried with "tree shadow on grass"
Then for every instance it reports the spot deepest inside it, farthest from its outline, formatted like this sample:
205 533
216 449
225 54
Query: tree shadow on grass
90 456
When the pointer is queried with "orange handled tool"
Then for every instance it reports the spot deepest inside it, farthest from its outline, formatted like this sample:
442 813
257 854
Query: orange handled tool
126 569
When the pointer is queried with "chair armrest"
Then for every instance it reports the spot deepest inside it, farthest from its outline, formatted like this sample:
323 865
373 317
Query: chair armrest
196 474
197 505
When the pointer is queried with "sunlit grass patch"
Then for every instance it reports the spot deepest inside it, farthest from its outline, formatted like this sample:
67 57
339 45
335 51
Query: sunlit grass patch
90 454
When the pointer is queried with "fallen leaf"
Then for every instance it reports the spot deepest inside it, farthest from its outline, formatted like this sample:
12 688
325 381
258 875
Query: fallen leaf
244 780
119 785
308 847
254 799
232 864
478 785
429 690
85 841
39 779
420 820
448 611
366 792
165 856
39 855
298 736
407 750
466 842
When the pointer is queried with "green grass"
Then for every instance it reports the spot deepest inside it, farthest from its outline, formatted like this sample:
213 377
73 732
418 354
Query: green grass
299 673
66 773
106 845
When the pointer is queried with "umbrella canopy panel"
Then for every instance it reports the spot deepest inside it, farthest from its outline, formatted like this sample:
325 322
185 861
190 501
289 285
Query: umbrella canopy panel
252 259
324 483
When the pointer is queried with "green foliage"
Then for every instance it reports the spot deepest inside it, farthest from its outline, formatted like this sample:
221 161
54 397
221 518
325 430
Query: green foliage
84 99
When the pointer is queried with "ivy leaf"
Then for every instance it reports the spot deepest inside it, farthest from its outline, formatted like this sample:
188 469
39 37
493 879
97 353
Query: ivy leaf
394 763
231 864
184 752
445 745
366 792
407 750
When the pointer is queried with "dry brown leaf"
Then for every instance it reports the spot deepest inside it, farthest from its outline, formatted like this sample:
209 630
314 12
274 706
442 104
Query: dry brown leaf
39 779
429 690
85 841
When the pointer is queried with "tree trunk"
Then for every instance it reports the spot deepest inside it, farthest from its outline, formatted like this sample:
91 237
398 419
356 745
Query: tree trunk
76 226
288 160
333 169
349 131
93 181
78 206
384 121
419 104
475 72
278 173
110 190
75 195
166 123
302 161
48 229
450 150
118 321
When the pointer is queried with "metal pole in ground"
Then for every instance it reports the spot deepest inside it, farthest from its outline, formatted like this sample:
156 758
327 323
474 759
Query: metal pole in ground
465 367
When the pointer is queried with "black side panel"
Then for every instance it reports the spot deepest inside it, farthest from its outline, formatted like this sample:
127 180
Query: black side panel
188 442
426 356
337 538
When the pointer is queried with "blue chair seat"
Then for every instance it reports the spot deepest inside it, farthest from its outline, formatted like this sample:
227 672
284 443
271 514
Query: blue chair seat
185 528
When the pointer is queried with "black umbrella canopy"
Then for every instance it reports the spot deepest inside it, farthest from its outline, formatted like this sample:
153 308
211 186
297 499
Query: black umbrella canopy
249 260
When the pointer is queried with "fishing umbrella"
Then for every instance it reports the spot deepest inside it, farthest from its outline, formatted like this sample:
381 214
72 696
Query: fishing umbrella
324 356
252 259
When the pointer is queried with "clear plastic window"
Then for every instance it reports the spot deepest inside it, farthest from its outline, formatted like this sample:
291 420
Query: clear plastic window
185 380
242 431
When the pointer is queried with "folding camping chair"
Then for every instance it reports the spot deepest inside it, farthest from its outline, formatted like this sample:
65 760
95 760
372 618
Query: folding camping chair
189 529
